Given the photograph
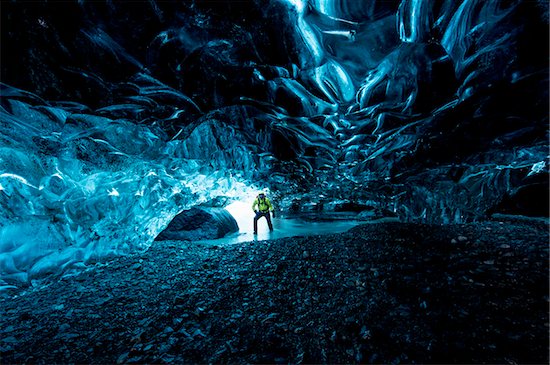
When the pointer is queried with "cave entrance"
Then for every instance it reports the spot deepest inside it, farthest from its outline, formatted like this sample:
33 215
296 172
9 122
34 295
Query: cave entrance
243 214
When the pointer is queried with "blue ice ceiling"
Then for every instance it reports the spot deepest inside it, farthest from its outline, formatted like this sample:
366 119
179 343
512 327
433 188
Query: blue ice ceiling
116 116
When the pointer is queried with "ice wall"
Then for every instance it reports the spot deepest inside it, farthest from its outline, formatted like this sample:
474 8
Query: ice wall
450 115
77 188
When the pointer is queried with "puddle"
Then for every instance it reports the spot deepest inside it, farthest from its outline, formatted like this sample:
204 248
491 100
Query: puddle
284 227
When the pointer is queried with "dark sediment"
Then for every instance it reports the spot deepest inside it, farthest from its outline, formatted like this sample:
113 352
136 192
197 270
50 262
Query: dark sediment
380 293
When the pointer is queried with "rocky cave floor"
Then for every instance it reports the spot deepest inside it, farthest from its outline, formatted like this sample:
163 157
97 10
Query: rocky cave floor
379 293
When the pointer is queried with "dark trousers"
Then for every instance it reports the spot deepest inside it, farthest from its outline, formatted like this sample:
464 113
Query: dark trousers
267 217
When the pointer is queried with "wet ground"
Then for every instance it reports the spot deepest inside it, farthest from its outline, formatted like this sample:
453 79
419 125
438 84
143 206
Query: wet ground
380 293
289 227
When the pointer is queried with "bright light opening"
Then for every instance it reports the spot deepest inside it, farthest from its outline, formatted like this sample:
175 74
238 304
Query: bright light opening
244 215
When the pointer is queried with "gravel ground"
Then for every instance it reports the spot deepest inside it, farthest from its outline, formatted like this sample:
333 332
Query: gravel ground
379 293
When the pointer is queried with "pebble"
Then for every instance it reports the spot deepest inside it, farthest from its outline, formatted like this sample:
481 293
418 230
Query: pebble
10 339
365 333
148 347
122 358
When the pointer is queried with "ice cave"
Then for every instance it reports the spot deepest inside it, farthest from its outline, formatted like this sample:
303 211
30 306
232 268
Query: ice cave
402 145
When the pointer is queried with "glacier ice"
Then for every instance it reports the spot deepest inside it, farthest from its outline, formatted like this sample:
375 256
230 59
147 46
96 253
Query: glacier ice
77 188
433 111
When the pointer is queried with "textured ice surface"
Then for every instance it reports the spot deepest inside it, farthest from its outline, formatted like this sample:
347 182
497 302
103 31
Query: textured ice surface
77 188
433 111
438 109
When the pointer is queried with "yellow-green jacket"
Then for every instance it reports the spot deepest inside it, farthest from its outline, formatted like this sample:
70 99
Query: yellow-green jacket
264 205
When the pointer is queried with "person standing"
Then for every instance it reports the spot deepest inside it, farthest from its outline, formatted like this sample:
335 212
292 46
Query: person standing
262 207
